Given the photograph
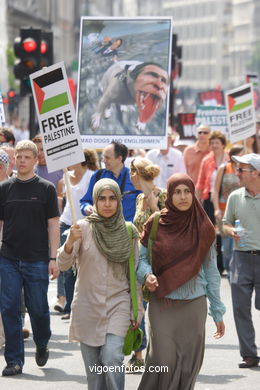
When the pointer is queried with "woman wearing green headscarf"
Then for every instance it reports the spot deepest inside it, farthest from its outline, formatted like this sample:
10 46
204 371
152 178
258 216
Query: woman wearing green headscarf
101 308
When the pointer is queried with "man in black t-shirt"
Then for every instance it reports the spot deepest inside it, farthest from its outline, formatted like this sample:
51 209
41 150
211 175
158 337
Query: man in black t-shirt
30 216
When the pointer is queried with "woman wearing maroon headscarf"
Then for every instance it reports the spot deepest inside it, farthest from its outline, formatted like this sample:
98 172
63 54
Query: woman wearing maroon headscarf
182 274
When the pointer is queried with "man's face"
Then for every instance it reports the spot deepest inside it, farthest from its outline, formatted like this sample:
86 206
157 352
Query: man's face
25 162
245 176
150 91
203 133
41 157
110 160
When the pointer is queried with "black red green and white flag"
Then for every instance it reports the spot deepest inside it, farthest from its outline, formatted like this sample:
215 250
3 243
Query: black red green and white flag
57 120
240 112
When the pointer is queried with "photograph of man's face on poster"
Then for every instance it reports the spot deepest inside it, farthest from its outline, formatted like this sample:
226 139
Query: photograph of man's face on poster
124 76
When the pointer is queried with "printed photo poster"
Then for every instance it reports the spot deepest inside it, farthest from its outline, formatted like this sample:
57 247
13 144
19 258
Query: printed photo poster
61 138
240 113
213 116
124 80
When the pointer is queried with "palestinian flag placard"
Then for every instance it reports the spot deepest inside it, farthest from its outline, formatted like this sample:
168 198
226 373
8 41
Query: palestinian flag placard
253 78
240 100
61 138
49 91
240 113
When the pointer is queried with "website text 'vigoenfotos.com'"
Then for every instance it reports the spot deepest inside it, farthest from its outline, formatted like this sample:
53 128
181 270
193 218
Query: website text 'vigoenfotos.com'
99 369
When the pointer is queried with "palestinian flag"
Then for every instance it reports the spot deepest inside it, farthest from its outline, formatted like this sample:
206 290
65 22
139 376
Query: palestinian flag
240 99
49 91
253 79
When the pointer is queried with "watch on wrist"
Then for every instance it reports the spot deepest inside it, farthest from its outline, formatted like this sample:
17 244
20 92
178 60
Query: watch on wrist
52 258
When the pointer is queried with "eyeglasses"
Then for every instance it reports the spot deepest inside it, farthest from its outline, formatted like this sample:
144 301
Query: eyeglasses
203 132
240 170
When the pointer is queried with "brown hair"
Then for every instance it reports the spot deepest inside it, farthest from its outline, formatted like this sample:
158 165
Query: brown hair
218 135
8 134
145 168
91 159
235 150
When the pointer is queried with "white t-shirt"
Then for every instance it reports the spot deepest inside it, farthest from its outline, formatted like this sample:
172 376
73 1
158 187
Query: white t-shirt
170 163
77 192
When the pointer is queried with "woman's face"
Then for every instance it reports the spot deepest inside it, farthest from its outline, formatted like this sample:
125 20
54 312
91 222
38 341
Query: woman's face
135 179
182 197
216 145
107 204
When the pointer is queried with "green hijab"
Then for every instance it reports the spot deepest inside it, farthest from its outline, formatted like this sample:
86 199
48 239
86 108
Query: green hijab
110 234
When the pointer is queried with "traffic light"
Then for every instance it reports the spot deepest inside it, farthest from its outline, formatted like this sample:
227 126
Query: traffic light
27 49
11 100
46 48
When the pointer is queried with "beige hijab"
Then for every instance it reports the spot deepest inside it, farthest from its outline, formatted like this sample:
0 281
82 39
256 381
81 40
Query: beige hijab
110 234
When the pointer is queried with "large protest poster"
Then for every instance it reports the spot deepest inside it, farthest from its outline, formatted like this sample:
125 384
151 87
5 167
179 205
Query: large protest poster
240 113
56 115
213 116
123 82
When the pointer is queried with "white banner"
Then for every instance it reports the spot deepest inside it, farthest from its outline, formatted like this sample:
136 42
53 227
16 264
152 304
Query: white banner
240 113
2 112
56 114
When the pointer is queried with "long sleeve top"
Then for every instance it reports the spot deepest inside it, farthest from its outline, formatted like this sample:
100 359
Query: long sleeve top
102 302
206 283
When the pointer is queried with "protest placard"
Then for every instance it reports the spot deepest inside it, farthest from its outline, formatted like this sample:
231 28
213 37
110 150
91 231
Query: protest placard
240 113
56 115
123 81
2 112
213 116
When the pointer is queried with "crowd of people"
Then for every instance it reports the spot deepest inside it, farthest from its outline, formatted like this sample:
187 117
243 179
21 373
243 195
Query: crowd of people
182 208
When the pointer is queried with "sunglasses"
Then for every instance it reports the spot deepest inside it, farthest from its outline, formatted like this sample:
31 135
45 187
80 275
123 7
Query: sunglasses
203 132
240 170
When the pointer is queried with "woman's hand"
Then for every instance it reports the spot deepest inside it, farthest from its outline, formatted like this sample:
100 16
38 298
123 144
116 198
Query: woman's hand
218 215
135 324
75 233
151 282
220 330
152 201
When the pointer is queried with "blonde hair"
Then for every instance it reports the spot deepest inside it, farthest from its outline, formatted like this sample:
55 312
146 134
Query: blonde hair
26 145
145 168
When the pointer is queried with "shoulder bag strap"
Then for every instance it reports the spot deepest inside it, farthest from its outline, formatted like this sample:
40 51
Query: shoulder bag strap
152 235
132 275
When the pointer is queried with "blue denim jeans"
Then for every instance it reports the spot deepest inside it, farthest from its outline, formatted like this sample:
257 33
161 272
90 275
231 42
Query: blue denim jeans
98 360
227 249
142 326
69 276
34 278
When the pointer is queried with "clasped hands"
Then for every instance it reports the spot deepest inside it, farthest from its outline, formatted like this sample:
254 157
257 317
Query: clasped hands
151 282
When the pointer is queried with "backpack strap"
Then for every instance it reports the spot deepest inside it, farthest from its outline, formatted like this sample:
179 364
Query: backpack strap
132 275
99 173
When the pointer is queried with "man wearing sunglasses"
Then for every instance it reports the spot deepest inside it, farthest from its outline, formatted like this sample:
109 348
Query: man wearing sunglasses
244 204
194 154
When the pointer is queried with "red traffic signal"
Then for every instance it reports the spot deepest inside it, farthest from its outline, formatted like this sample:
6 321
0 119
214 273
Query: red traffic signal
27 49
29 45
11 94
46 48
43 47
